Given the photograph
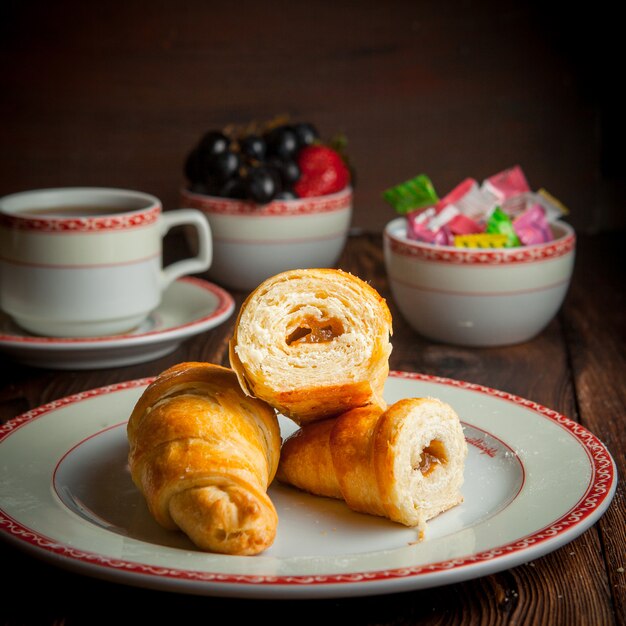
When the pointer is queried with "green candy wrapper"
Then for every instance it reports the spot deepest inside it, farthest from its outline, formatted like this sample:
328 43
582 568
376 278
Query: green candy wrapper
500 223
417 193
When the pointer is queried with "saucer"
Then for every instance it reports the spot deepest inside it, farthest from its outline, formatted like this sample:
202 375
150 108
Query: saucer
189 306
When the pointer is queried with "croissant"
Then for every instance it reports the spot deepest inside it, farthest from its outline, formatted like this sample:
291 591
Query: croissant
405 463
203 454
313 343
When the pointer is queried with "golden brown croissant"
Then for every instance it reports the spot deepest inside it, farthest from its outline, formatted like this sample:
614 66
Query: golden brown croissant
313 343
203 454
405 463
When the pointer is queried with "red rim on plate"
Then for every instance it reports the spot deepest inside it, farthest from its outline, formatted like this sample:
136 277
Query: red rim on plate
591 504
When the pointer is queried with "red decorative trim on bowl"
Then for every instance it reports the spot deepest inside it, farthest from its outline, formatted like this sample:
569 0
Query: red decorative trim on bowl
463 256
123 221
304 206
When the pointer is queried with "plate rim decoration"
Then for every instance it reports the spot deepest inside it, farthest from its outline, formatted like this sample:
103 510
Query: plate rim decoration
593 498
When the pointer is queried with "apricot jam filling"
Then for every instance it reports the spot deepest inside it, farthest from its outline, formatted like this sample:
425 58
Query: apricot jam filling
313 330
433 454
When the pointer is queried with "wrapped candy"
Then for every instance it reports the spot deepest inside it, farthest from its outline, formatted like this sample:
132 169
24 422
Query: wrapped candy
441 237
461 190
421 226
506 184
500 223
417 193
553 209
463 225
470 200
443 217
501 212
417 220
532 227
481 240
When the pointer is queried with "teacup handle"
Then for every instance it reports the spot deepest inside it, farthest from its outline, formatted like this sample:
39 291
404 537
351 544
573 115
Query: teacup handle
199 263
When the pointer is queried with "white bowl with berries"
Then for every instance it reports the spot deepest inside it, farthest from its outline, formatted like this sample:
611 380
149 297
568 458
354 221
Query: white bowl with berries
275 196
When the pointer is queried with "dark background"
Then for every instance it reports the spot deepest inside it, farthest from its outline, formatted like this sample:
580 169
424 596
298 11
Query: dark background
116 93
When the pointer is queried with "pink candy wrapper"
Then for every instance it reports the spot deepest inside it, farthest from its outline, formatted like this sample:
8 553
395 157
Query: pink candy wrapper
506 184
457 193
416 222
463 225
430 227
553 209
441 237
532 227
470 200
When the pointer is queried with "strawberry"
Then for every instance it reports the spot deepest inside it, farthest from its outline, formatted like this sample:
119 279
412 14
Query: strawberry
323 171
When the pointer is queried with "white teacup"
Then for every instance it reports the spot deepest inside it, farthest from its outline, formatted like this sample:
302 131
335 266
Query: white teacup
87 261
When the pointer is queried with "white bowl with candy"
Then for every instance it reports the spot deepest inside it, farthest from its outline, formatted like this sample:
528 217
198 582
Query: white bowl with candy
276 198
485 287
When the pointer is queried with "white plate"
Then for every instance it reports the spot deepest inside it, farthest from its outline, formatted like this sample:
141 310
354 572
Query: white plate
189 306
534 480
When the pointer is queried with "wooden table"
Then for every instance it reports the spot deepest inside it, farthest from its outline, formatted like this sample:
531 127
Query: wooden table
576 366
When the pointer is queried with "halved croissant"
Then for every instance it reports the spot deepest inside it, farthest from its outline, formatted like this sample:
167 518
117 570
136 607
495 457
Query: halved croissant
203 454
405 463
313 343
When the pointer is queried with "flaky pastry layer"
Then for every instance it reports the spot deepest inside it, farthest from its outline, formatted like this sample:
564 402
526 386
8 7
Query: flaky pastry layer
313 343
203 454
405 463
